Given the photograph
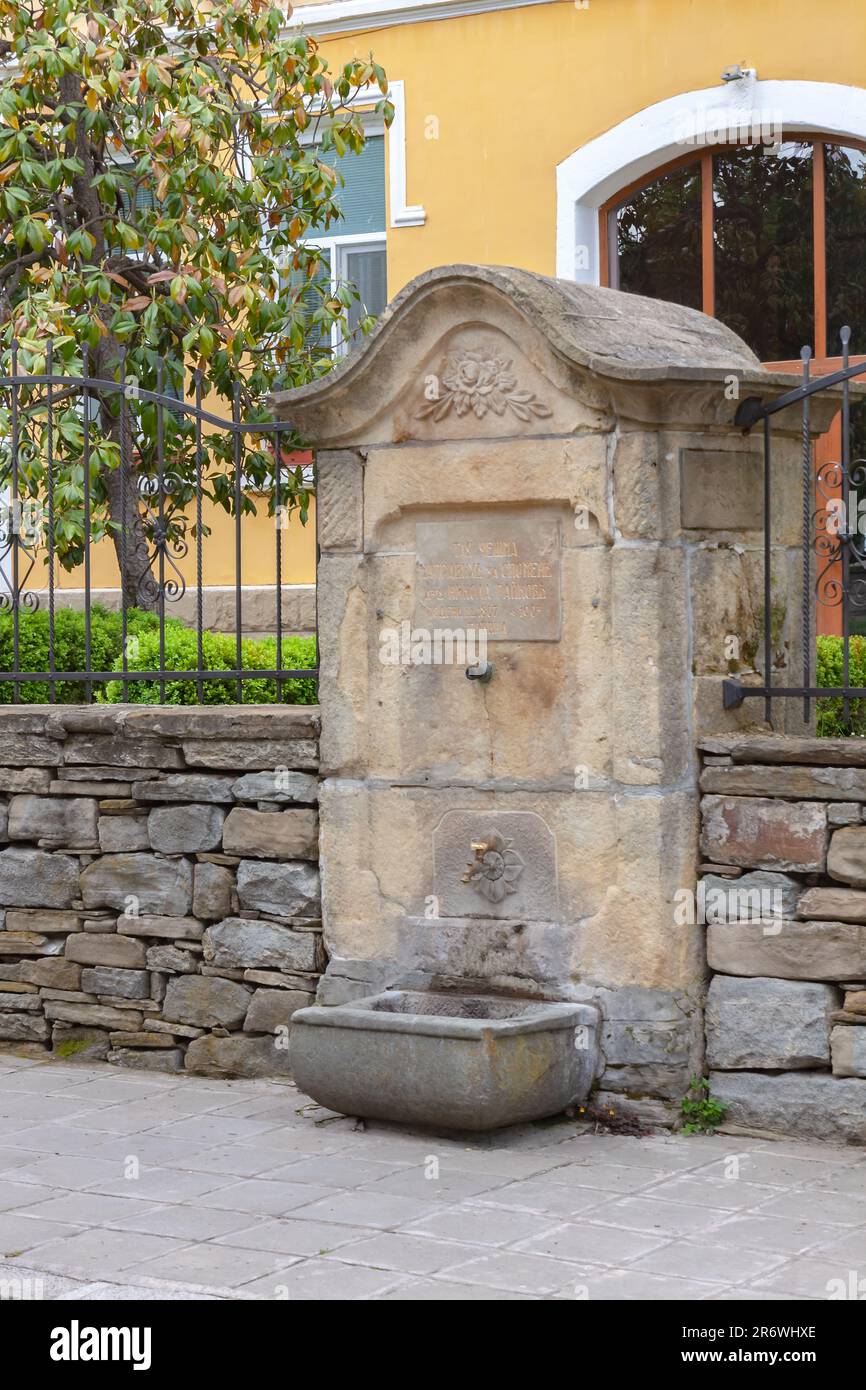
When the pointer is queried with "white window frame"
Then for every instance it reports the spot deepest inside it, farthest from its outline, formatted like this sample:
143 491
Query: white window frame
336 248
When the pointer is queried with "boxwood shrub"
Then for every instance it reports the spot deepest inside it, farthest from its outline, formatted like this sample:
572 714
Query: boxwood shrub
143 655
831 722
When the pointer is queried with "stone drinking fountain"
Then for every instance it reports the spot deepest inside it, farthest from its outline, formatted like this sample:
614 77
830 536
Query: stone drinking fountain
535 484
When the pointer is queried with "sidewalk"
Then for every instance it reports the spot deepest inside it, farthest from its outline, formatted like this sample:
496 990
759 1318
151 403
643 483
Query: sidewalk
119 1184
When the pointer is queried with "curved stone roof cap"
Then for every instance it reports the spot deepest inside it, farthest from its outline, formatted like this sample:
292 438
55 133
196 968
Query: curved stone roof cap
618 335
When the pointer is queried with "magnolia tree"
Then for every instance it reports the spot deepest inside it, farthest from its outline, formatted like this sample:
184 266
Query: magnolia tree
162 166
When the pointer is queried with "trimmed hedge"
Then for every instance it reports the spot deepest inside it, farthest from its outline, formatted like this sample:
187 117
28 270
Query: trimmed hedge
830 720
143 655
181 654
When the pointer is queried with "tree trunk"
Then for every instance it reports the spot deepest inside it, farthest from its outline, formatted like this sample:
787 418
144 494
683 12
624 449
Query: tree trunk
139 587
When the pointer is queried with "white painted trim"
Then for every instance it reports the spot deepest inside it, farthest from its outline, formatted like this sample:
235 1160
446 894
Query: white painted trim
336 246
595 172
344 16
401 214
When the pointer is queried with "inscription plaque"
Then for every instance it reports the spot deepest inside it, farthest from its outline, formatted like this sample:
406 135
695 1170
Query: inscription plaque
499 575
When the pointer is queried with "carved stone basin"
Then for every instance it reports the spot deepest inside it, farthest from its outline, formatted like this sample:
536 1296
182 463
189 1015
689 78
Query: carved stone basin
450 1061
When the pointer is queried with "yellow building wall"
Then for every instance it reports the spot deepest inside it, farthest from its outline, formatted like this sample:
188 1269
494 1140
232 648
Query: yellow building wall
495 101
517 91
258 553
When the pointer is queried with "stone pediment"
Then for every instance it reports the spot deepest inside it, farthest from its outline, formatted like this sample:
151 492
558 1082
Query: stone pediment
487 352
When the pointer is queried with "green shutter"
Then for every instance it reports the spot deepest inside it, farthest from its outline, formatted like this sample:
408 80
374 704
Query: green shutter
362 198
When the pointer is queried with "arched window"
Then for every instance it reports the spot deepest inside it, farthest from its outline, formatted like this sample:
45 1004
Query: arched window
769 239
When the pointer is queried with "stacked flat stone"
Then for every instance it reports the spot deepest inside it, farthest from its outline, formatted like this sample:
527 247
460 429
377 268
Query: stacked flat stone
786 1005
159 884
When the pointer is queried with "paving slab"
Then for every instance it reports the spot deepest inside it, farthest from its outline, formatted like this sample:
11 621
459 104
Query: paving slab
179 1187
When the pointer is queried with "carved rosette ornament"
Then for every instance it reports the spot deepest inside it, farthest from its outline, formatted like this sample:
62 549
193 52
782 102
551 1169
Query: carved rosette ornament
478 381
495 869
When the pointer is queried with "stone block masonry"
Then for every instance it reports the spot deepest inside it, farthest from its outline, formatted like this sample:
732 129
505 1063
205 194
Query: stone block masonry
783 824
159 883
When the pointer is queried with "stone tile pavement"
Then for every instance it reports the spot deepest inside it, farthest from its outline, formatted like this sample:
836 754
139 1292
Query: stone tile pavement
133 1185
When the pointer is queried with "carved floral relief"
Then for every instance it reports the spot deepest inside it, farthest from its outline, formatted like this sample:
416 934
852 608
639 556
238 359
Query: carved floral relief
477 380
495 869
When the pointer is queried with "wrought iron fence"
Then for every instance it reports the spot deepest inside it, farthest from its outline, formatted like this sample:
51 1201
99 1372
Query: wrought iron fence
87 459
833 539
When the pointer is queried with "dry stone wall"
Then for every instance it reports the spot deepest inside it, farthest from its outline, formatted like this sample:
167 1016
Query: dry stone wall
783 896
159 883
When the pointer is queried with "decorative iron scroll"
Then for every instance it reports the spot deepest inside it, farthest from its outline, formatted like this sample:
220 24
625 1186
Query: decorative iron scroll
840 549
169 531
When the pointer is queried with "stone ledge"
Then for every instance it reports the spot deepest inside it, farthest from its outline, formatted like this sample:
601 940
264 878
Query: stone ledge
805 1105
788 748
235 722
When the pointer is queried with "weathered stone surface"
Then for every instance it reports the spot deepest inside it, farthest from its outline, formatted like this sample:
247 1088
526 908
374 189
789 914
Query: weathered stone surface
186 786
272 834
55 973
849 1050
23 1027
31 943
106 776
103 790
33 878
274 979
245 943
170 928
105 948
172 960
54 821
340 500
788 950
844 813
776 748
649 1037
72 1043
237 1056
28 750
129 984
762 833
122 834
808 783
278 784
749 897
846 858
175 1030
114 750
16 986
855 1001
273 1008
212 890
170 1059
156 885
205 1001
220 723
833 904
185 829
39 920
71 996
765 1024
143 1039
252 754
24 779
806 1105
284 890
94 1015
27 1003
